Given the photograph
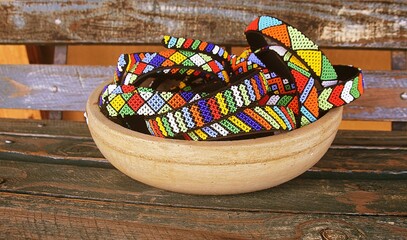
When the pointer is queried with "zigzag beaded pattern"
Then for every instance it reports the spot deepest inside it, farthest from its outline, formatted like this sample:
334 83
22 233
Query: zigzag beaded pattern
248 60
342 93
196 45
281 91
127 100
250 120
256 103
300 96
211 108
306 50
168 61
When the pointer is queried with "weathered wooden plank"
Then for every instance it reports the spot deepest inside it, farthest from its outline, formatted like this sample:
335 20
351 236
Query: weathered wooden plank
371 139
44 128
354 23
49 87
376 161
70 129
71 143
68 87
45 217
382 98
301 195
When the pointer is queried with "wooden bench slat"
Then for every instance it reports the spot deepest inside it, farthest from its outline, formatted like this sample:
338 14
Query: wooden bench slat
345 160
44 128
365 196
354 23
51 87
55 183
79 130
49 217
70 143
66 88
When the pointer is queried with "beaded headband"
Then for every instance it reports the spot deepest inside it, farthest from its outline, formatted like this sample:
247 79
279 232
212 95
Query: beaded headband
303 57
124 99
265 89
229 111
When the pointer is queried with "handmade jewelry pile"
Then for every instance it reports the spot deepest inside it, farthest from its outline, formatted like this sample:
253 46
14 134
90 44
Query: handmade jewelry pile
196 90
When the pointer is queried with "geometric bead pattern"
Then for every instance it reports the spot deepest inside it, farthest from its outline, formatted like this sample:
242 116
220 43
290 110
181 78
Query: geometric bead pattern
178 61
214 50
250 120
342 93
214 107
300 45
135 98
302 55
257 100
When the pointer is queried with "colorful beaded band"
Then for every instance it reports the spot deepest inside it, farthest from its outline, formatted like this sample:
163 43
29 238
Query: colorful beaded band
132 66
208 48
307 96
127 100
291 38
304 58
242 93
265 89
256 119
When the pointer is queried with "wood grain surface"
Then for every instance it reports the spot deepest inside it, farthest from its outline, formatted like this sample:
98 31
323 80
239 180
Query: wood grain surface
54 183
47 217
68 87
327 194
390 161
357 23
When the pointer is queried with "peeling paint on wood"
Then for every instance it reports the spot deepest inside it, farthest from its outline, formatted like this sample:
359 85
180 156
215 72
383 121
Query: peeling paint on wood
355 23
51 87
68 87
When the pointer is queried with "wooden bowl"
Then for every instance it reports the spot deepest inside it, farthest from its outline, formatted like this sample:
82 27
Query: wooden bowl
217 167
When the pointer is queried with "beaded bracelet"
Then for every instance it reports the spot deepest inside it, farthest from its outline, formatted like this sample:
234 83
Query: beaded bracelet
296 85
176 61
335 85
224 103
247 122
123 99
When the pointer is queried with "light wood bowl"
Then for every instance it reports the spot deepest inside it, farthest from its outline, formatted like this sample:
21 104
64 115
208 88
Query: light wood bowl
213 168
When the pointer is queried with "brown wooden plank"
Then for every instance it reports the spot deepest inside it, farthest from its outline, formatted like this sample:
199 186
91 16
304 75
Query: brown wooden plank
389 161
352 23
302 195
381 99
44 128
368 139
67 88
102 55
46 217
70 142
69 129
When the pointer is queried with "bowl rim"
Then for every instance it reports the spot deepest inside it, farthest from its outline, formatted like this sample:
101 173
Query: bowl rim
328 120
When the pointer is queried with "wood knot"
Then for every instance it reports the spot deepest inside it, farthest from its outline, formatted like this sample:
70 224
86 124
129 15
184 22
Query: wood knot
2 180
54 89
333 234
